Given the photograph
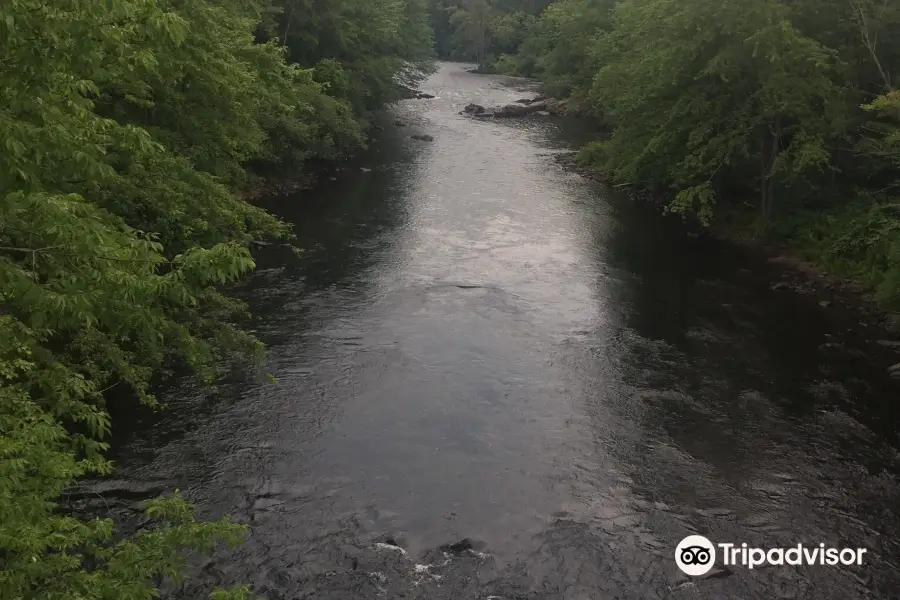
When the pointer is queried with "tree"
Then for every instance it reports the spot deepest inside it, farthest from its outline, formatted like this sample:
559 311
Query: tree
788 102
362 44
127 127
694 103
485 31
471 30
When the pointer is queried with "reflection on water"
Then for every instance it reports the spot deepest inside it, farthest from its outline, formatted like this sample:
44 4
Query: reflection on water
478 344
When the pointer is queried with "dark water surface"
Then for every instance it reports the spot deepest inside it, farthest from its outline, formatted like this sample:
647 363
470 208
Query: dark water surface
478 344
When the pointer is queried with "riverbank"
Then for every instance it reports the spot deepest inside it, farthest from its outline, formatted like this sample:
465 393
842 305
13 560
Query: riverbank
798 274
309 174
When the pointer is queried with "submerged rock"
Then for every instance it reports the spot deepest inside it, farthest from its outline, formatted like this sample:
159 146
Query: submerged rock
408 93
399 123
463 545
475 109
460 546
423 137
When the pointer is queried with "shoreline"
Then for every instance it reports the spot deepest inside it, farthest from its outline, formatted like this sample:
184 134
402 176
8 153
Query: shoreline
309 174
795 275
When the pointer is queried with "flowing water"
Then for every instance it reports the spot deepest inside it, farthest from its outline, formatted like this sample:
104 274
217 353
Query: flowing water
478 344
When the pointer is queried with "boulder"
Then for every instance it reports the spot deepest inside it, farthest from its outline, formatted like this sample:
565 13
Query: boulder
544 106
399 123
423 137
516 110
513 110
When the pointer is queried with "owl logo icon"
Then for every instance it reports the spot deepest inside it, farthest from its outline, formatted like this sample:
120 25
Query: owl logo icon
695 555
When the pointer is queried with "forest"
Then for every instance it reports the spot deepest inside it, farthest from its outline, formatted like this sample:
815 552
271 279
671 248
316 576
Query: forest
774 119
130 132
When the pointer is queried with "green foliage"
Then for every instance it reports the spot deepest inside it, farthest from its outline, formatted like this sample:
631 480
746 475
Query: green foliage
365 47
560 46
45 552
126 128
693 103
487 32
857 240
789 107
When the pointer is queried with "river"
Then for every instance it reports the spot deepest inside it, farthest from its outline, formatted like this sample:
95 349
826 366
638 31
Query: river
478 344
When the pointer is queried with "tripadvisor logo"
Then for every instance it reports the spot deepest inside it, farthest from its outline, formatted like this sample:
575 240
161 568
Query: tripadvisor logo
695 555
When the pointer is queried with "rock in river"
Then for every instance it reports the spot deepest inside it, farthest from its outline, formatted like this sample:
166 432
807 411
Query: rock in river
548 106
423 137
514 110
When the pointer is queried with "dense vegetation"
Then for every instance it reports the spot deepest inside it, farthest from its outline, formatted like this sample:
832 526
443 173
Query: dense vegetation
126 129
784 110
481 31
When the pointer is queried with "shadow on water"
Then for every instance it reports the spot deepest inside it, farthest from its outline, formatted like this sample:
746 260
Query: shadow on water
344 227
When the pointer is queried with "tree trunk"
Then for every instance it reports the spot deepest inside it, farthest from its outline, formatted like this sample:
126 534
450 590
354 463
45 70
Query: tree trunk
771 146
287 25
776 148
764 178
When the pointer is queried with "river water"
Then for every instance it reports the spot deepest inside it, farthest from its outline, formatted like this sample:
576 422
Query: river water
478 344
